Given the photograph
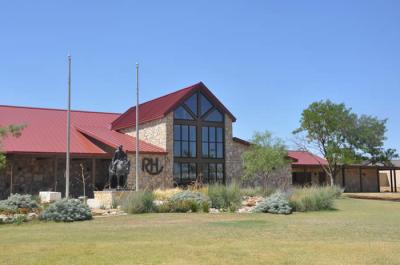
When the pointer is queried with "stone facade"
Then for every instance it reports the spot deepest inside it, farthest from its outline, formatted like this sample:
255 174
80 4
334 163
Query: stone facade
147 180
153 132
279 179
233 154
160 133
29 174
229 151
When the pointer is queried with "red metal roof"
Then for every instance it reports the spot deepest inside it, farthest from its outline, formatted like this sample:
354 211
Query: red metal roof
45 131
114 139
305 158
241 141
160 107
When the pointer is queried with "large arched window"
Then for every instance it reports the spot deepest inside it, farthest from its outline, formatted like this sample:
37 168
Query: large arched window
199 149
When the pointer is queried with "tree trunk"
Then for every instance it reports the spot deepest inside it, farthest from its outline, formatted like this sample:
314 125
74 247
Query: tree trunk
265 183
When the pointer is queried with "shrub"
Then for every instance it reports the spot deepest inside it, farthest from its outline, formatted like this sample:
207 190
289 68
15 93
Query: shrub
314 198
18 203
139 202
183 206
188 201
163 195
276 203
67 210
225 197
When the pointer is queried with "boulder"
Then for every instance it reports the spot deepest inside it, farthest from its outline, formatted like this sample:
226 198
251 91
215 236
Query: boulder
213 210
49 196
251 201
32 216
94 204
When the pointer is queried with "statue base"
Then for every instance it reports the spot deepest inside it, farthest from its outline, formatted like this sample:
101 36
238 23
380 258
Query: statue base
111 198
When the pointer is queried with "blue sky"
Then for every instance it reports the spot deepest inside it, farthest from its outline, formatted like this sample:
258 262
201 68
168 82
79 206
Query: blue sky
266 60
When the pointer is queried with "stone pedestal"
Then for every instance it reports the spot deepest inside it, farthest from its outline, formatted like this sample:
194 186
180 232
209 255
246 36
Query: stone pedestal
110 198
49 196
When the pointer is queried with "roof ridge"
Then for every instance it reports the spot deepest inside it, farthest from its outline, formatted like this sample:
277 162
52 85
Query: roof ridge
133 108
59 109
166 95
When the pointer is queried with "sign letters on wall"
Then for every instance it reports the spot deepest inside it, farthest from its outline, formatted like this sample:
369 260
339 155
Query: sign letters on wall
151 166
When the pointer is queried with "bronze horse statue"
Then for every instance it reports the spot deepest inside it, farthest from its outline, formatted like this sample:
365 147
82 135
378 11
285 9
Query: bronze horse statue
120 171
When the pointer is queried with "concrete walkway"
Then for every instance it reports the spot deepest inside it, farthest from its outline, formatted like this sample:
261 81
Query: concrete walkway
386 196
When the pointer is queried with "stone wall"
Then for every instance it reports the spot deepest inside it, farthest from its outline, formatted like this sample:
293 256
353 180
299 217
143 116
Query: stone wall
153 132
148 181
160 133
279 179
33 174
110 198
230 154
236 163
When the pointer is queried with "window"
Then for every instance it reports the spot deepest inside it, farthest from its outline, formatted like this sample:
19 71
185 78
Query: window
215 115
192 103
205 105
212 142
198 141
213 173
185 173
184 141
181 113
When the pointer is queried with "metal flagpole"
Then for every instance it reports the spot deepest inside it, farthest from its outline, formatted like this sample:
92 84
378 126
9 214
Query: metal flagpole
67 163
137 128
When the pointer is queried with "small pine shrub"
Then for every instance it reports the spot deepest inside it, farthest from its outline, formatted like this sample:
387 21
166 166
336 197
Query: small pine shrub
67 210
225 197
139 202
277 203
314 198
186 201
16 203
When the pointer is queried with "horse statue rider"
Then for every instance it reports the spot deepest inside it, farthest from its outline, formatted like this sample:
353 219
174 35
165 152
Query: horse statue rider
119 167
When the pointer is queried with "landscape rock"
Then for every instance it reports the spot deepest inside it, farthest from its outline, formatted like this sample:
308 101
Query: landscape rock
49 196
32 216
107 212
158 202
251 200
246 209
213 210
94 204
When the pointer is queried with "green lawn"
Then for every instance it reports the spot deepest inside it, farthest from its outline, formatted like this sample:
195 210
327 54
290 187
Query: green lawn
359 232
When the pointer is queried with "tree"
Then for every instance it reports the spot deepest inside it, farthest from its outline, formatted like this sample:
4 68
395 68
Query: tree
265 155
13 130
342 136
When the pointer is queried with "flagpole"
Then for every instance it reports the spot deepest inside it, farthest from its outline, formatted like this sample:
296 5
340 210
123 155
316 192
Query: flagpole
137 128
67 162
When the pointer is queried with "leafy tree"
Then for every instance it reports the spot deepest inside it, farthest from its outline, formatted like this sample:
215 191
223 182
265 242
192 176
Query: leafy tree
342 136
13 130
265 155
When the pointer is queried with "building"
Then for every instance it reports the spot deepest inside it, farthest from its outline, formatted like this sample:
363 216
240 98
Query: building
185 136
308 170
390 178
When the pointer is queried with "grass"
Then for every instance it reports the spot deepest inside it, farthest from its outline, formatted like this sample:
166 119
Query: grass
358 232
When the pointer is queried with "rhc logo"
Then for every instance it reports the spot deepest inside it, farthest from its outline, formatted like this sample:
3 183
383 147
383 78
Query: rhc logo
151 166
